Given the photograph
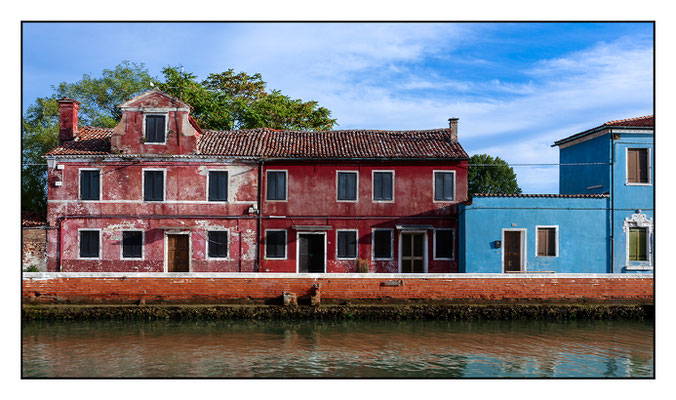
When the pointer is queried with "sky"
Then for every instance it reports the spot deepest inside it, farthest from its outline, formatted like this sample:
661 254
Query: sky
515 87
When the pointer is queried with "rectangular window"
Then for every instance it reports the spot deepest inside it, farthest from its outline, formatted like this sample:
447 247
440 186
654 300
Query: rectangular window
637 166
132 244
443 243
347 186
444 186
155 125
546 238
218 185
218 244
89 244
347 244
275 244
383 186
89 185
638 244
382 244
153 188
276 185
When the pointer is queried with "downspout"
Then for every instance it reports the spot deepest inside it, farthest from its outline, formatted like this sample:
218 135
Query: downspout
260 213
612 202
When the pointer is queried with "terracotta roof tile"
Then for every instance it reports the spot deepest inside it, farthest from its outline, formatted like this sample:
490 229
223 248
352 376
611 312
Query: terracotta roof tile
647 121
33 218
90 140
269 143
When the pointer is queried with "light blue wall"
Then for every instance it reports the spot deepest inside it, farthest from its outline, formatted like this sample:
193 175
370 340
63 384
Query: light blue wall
575 179
628 199
582 224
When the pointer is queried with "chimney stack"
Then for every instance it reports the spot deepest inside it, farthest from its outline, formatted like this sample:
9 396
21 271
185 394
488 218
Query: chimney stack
453 124
68 119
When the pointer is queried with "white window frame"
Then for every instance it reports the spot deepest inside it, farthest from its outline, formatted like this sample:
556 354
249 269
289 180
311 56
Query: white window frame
298 233
373 244
166 128
356 231
206 242
338 172
100 244
286 188
639 221
434 186
286 246
394 185
209 184
79 184
166 249
523 249
143 244
434 248
143 185
626 167
556 240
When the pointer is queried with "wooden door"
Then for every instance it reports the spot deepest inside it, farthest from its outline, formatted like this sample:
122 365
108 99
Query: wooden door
178 253
412 252
512 251
311 253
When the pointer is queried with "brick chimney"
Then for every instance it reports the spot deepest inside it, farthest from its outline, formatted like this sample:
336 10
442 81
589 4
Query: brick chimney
68 119
453 124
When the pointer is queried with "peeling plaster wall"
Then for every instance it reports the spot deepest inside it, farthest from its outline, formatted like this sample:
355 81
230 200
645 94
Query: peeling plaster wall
34 248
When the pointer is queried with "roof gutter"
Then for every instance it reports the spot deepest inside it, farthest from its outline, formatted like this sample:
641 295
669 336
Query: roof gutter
597 129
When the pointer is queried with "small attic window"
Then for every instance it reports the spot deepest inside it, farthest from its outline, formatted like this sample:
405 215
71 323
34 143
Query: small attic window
155 128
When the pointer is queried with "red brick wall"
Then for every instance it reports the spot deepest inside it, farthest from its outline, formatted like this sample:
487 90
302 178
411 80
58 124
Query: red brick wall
232 290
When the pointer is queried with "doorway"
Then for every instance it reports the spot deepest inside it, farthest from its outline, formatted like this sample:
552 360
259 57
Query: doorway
311 252
178 253
412 252
513 252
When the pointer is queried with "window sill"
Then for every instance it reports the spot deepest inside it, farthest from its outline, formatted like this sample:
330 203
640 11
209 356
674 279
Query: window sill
638 267
637 184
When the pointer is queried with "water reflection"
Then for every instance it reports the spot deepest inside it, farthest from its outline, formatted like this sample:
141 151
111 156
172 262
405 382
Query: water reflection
338 349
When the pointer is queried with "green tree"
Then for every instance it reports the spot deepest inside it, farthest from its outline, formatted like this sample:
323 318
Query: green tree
491 175
230 100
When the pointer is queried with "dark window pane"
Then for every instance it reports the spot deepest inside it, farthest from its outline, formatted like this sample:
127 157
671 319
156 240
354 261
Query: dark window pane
155 125
347 186
382 186
153 189
275 244
218 244
637 244
89 244
444 244
546 242
276 185
443 186
218 186
89 185
382 244
132 242
347 244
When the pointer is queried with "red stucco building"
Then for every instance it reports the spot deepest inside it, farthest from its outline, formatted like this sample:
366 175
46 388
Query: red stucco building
158 194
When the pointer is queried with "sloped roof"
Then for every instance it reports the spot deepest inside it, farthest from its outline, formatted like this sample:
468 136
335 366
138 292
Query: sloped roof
270 143
33 218
90 140
647 121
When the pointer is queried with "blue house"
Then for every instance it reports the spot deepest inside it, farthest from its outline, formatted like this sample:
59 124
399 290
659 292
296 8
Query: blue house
601 222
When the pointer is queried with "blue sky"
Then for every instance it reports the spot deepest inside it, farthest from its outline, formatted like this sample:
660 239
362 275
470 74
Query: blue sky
516 87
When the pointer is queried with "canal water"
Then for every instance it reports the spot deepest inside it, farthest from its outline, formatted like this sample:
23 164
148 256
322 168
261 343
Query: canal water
368 349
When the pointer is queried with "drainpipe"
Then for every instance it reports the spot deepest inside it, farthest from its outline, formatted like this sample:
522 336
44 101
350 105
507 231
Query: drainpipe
612 202
260 214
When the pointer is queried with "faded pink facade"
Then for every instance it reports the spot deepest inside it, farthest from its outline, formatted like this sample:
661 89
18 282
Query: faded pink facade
122 155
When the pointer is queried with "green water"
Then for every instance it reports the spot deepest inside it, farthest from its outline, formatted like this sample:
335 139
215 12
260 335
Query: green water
273 349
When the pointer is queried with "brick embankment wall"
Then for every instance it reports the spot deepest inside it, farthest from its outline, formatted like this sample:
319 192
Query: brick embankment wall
34 248
41 289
